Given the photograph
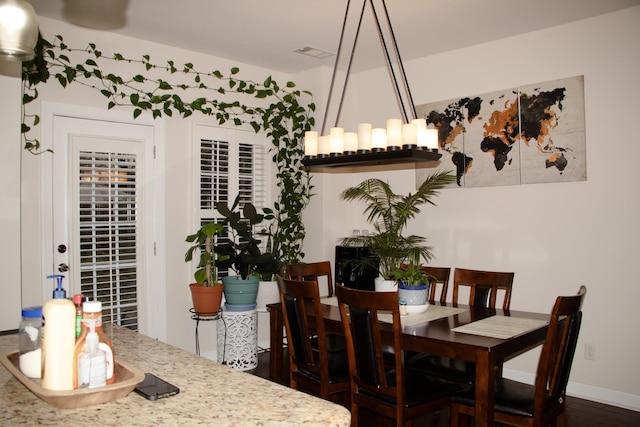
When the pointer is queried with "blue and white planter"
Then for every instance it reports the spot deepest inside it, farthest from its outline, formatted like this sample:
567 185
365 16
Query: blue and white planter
414 295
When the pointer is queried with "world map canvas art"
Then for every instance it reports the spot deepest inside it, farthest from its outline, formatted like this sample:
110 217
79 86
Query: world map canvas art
531 134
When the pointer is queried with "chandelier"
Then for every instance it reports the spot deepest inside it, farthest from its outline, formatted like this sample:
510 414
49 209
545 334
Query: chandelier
18 30
405 139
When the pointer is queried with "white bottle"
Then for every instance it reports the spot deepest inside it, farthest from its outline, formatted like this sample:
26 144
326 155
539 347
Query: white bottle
58 340
92 363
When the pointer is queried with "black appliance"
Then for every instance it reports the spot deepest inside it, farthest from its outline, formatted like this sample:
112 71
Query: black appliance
347 273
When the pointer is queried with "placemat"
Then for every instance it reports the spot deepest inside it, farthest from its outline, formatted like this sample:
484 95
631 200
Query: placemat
433 312
502 327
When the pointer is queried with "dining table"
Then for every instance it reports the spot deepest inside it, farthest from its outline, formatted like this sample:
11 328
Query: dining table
482 336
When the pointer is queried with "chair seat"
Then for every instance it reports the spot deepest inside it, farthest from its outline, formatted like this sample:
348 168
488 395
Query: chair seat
442 367
419 388
336 343
338 368
511 397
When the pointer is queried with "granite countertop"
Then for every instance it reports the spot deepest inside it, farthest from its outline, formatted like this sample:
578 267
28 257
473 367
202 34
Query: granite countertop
210 394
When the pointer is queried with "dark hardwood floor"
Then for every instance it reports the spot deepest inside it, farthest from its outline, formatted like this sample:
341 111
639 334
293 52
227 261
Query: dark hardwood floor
580 412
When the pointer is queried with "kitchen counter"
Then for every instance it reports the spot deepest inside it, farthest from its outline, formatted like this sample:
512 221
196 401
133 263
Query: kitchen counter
210 394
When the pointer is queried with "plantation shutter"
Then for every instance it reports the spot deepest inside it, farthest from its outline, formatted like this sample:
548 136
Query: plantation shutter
108 203
231 162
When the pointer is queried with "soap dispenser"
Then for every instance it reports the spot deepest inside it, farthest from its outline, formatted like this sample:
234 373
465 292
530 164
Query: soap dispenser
92 362
58 339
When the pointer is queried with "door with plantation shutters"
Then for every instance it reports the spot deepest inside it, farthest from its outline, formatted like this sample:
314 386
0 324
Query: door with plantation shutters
102 203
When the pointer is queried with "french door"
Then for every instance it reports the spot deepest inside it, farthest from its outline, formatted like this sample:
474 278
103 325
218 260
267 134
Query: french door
101 218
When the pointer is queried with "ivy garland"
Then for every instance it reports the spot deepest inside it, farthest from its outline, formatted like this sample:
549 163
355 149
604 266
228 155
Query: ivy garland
284 120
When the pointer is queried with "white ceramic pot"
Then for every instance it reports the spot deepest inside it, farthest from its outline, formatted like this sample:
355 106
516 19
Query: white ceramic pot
382 285
267 294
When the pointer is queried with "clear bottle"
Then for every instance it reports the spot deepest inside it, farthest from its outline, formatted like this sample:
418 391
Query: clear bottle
58 340
92 362
30 342
92 315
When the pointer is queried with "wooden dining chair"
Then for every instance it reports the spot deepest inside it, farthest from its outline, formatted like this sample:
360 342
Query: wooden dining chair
393 393
317 271
543 403
311 366
484 287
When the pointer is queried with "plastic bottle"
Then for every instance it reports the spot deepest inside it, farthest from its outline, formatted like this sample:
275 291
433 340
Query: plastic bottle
92 362
78 299
58 340
92 315
30 342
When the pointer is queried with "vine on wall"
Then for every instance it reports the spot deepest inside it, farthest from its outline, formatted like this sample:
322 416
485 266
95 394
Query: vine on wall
284 120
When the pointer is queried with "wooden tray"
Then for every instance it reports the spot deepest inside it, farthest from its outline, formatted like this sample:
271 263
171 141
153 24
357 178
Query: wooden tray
127 378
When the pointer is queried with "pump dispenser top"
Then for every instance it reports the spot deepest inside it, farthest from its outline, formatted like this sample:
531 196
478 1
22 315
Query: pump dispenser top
59 291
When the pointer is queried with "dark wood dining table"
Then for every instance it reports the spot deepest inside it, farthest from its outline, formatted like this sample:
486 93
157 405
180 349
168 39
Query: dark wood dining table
436 337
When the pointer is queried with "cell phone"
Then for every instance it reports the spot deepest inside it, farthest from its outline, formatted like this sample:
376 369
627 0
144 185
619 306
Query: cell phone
154 388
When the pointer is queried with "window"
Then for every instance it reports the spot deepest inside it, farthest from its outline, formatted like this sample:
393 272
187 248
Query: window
231 162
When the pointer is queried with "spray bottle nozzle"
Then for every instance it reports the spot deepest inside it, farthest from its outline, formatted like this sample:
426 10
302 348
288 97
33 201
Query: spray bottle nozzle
59 292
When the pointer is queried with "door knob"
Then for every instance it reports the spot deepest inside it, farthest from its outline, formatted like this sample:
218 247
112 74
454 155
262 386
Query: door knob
63 267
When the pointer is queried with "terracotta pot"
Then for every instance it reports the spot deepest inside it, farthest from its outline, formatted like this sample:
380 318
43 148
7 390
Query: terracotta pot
206 301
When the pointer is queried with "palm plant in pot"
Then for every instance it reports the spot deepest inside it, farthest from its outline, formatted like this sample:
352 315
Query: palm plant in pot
206 292
243 254
389 214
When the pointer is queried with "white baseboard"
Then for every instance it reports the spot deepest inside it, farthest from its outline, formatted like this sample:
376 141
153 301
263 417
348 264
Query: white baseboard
583 391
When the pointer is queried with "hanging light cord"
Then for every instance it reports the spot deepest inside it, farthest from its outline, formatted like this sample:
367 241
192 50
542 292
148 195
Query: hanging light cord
383 43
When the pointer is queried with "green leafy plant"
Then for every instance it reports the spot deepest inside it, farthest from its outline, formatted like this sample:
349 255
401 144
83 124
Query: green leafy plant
284 120
242 251
207 272
389 214
411 275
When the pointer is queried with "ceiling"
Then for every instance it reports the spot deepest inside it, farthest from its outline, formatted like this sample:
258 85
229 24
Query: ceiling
267 32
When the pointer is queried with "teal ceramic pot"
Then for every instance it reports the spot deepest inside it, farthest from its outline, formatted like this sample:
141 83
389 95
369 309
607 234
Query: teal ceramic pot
239 291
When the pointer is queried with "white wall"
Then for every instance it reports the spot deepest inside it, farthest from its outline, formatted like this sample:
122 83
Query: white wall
10 148
554 236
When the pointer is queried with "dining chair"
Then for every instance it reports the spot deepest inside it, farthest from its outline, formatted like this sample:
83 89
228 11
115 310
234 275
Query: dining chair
392 392
484 287
311 366
543 403
317 271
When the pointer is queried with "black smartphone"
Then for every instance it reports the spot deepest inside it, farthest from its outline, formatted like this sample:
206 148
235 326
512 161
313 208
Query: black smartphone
154 388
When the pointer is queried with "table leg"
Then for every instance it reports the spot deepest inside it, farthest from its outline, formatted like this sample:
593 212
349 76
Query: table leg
485 382
276 323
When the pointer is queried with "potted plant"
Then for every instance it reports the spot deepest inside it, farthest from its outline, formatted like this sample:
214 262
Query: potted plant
389 214
206 292
243 254
413 284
